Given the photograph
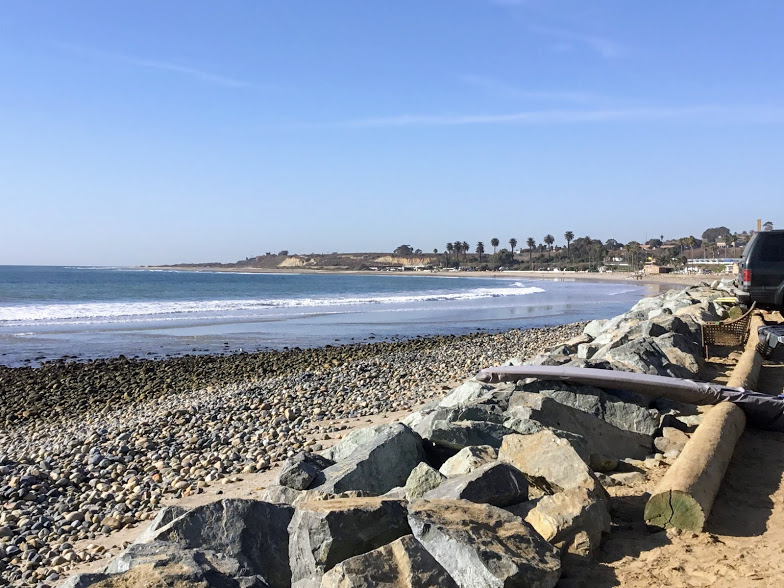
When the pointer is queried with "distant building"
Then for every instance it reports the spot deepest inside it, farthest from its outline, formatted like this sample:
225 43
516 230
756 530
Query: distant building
655 268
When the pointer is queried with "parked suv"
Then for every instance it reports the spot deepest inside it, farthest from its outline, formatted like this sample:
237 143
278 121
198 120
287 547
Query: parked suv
761 275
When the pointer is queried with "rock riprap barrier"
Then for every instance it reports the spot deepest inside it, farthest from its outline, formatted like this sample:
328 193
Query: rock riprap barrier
90 448
492 485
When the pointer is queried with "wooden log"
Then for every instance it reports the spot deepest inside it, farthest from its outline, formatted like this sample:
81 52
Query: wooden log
746 372
684 497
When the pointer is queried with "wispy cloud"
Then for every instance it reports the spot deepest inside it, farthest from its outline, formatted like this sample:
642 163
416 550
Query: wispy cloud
161 65
689 114
566 39
503 89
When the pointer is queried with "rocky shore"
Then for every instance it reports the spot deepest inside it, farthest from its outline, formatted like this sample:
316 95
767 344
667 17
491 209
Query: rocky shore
507 484
89 448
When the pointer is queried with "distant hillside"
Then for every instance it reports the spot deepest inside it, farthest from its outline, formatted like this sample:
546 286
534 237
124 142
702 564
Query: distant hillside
325 261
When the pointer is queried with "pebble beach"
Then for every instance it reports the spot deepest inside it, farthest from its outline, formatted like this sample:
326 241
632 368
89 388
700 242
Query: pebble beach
89 448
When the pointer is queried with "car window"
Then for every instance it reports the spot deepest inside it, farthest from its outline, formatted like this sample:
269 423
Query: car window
772 249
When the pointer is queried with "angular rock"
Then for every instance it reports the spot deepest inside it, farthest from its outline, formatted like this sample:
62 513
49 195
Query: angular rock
84 580
459 434
527 426
668 323
284 495
483 546
671 440
573 521
494 483
550 463
325 533
593 328
298 472
354 440
475 392
278 494
468 459
251 531
383 462
601 436
682 351
423 478
621 413
404 563
165 516
165 564
425 421
645 357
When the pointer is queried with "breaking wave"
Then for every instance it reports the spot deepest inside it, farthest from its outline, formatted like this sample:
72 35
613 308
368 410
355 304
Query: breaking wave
132 311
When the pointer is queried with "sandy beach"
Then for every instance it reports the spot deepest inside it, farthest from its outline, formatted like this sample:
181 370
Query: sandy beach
621 277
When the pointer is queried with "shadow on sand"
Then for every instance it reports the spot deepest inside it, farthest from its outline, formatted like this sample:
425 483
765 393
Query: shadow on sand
744 504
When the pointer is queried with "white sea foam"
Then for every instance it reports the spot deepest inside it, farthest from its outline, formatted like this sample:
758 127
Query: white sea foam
157 310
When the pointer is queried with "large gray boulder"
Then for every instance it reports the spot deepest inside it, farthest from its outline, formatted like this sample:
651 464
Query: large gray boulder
382 462
468 459
529 426
642 355
483 546
550 463
620 413
163 564
474 392
425 421
668 323
494 483
325 533
602 437
459 434
404 563
682 351
252 532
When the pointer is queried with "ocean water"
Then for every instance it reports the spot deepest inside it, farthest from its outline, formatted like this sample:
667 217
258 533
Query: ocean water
85 313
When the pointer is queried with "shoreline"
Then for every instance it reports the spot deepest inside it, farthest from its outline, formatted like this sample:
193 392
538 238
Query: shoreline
622 278
219 337
88 450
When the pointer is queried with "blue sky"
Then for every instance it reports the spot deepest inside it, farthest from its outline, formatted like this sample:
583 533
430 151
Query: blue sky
162 132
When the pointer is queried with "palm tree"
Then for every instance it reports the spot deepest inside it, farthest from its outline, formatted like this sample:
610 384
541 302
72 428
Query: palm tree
458 245
531 244
465 250
494 242
449 249
568 235
549 239
512 245
480 249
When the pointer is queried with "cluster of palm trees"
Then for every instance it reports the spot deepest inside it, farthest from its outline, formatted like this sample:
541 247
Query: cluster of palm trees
461 247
